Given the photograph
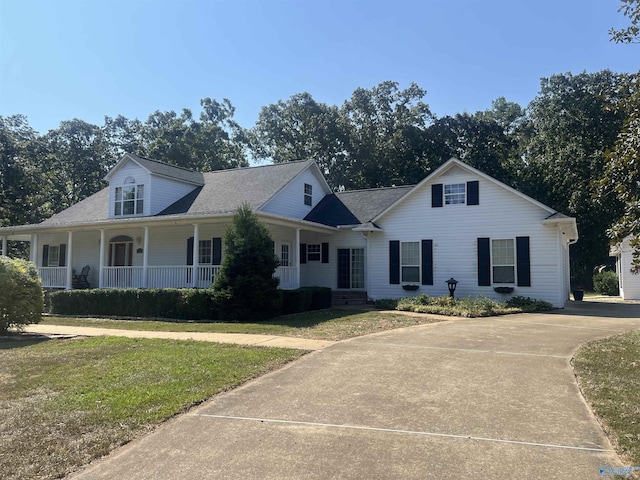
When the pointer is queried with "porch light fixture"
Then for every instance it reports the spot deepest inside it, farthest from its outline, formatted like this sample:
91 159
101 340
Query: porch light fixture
451 284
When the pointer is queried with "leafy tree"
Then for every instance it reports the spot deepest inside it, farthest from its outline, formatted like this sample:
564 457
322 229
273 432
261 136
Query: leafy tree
631 34
568 130
621 178
302 129
21 297
21 183
386 130
246 285
76 159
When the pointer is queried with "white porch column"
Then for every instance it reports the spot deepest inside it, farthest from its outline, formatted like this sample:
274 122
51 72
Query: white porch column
102 247
196 248
297 258
69 260
4 246
33 254
145 258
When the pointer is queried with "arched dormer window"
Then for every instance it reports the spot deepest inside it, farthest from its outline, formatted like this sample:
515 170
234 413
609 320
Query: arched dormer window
129 198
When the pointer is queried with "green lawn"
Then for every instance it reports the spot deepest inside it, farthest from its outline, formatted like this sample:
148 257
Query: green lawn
67 402
608 372
331 324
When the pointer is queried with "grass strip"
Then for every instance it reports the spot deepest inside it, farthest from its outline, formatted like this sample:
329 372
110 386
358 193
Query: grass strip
608 372
333 324
67 402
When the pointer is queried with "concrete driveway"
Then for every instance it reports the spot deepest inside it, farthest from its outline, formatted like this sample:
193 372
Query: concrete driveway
470 398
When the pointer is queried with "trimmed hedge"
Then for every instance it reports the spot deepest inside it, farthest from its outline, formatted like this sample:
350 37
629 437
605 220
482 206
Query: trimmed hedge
305 298
176 303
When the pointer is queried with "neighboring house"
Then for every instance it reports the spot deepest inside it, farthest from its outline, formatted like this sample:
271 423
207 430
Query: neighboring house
157 225
629 282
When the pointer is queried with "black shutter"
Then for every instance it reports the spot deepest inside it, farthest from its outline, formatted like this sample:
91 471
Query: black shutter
45 255
216 254
62 262
190 251
303 253
427 262
484 262
523 261
325 253
394 262
436 195
473 193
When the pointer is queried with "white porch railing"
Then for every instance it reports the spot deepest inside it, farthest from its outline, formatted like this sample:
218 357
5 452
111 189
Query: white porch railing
288 277
170 276
53 277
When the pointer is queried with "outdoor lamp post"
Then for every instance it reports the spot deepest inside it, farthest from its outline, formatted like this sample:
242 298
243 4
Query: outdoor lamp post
451 283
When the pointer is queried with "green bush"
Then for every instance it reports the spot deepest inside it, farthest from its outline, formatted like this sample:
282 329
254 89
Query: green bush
606 283
21 297
527 304
248 290
305 298
177 303
386 303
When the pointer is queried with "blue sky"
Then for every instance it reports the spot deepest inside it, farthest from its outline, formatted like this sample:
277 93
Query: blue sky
64 59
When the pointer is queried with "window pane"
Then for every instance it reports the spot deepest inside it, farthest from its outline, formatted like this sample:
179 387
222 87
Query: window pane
357 268
54 256
313 253
118 208
410 253
127 207
140 191
410 274
502 252
455 193
284 255
129 193
503 274
139 206
204 253
118 193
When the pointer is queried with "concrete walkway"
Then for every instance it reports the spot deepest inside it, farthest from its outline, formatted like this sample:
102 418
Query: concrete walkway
478 398
239 338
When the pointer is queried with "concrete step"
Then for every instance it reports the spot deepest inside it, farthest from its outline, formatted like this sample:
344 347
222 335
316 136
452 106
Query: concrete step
348 297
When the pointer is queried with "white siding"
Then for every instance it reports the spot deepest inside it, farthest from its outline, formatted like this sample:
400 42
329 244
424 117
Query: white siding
164 192
326 274
629 282
159 192
454 230
289 202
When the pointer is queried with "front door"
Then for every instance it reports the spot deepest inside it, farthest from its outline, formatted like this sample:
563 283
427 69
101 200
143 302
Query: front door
351 268
121 254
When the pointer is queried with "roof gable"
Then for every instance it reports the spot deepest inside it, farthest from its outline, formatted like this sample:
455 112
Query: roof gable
161 169
447 166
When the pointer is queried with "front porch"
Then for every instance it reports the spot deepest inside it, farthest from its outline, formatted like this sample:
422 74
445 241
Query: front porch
169 276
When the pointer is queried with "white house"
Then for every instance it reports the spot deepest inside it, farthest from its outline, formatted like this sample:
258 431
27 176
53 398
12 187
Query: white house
629 282
157 225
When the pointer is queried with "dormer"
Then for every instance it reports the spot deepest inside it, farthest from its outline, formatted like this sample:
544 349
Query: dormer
142 187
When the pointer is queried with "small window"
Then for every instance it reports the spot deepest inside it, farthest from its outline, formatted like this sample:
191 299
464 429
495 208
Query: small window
285 249
454 194
503 261
410 262
308 194
54 256
129 200
313 252
204 252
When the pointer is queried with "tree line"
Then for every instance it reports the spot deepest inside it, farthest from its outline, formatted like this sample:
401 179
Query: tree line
574 148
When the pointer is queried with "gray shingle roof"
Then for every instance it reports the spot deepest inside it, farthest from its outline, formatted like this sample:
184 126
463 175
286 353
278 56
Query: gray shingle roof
171 171
355 206
223 192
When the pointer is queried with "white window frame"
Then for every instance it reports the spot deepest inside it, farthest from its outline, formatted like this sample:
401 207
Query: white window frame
285 254
134 201
410 261
51 256
314 252
507 245
455 194
205 252
308 194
